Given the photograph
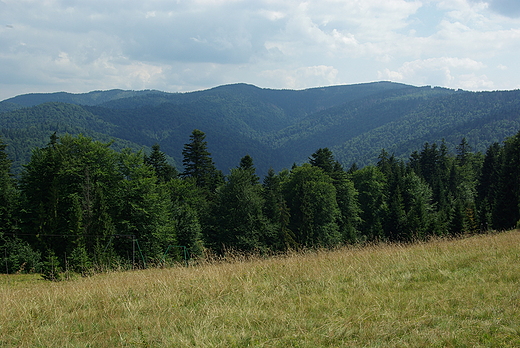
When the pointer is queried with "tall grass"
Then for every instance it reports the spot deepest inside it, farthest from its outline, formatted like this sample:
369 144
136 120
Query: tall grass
460 293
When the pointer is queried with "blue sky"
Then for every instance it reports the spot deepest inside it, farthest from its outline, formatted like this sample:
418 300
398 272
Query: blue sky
176 45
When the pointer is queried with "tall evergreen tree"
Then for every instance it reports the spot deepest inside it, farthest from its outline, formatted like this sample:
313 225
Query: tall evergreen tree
348 204
324 159
489 185
246 163
436 167
18 255
198 163
163 170
418 206
8 193
277 213
238 217
143 207
395 218
507 209
189 204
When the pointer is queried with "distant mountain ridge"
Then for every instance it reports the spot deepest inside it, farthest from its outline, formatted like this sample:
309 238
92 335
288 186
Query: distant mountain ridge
276 127
90 98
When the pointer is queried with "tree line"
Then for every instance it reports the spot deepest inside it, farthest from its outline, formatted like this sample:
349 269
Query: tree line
82 207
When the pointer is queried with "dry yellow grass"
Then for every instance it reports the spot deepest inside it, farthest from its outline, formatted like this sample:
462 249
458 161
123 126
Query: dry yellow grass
461 293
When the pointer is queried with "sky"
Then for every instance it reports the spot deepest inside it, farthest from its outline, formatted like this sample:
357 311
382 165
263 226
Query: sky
178 45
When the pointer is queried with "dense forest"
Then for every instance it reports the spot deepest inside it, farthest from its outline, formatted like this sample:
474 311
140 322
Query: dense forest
275 127
81 206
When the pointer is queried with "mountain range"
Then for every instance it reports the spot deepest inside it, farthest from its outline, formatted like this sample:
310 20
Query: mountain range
277 128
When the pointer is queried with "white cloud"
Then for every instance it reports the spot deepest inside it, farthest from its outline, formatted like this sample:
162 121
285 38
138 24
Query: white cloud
443 71
299 78
78 45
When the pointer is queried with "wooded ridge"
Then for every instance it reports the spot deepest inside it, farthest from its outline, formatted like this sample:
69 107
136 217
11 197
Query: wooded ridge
276 127
83 205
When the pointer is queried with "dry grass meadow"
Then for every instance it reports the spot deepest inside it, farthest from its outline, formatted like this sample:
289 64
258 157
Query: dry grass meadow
458 293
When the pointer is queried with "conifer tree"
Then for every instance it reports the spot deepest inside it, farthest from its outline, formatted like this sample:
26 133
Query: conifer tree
238 217
143 207
8 193
157 159
507 209
189 204
324 159
246 163
198 163
277 213
488 185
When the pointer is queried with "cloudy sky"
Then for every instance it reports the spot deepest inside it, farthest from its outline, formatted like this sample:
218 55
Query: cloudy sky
180 45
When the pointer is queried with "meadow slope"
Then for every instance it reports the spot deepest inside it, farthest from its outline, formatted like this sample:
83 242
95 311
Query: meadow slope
458 293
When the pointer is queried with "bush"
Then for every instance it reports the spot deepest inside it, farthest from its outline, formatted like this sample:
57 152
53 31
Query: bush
18 256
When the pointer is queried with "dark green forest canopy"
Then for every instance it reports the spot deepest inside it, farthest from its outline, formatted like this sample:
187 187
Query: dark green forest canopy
121 179
275 127
82 206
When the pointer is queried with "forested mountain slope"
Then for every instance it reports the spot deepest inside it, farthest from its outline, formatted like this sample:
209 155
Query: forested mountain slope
275 127
90 98
29 128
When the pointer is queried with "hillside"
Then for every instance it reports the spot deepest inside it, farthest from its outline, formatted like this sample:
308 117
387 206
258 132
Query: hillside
25 129
446 293
276 127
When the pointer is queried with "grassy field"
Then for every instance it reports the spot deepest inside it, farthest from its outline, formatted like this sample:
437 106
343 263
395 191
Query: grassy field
460 293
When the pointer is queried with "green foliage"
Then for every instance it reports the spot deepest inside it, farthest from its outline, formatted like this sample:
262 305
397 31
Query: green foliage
488 189
314 212
239 222
64 185
8 194
86 206
143 207
52 269
346 193
163 170
79 261
189 206
324 159
277 213
198 163
370 182
276 127
507 206
419 208
18 256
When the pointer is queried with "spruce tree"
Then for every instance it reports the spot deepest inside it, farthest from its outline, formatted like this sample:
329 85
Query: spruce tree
8 193
198 163
277 213
488 185
324 159
507 209
189 205
246 163
238 217
157 159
